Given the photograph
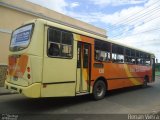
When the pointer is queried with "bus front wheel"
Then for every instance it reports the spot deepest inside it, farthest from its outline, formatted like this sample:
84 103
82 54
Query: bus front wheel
99 90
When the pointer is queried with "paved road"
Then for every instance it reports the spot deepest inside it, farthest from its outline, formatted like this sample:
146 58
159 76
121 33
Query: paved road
132 100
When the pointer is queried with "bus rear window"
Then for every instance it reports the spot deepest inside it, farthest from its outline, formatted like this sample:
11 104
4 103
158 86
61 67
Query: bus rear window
21 38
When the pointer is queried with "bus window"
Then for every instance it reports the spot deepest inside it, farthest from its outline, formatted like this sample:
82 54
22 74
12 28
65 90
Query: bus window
127 55
86 56
117 54
147 59
54 35
141 58
67 44
133 54
59 43
54 42
21 37
137 57
130 56
102 50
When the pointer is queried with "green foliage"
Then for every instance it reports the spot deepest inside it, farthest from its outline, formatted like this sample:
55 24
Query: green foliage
157 73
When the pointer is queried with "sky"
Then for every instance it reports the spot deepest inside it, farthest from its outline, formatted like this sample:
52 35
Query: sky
132 22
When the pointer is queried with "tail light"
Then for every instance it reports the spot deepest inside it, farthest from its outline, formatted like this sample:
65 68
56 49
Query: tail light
28 69
28 76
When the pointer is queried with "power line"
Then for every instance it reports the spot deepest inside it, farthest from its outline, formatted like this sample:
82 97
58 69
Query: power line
155 9
153 18
148 41
140 17
139 33
145 14
157 17
135 13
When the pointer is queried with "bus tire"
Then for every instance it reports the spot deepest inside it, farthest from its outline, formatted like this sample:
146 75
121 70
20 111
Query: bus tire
99 90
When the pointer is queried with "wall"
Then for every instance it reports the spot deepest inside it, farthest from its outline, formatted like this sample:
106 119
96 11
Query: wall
10 19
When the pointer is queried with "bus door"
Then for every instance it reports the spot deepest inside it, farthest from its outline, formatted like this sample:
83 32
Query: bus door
83 67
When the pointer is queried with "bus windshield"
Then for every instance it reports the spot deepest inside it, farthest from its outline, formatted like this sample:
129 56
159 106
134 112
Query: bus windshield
21 38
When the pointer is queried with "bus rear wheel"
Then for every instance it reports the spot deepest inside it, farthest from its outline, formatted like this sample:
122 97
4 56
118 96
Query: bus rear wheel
99 90
145 82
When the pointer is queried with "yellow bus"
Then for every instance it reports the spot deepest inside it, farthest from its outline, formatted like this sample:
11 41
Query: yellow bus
49 59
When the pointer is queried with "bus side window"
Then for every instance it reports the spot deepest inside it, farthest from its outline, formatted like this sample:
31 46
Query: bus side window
141 58
127 55
85 53
137 57
102 50
147 59
133 55
60 43
54 37
67 40
117 54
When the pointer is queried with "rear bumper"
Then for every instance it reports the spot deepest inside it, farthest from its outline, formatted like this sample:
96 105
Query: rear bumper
32 91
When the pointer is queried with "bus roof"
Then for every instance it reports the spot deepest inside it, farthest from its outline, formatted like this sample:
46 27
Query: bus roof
85 33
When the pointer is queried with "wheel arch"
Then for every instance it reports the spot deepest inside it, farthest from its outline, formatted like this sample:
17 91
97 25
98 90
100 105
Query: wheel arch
146 77
102 78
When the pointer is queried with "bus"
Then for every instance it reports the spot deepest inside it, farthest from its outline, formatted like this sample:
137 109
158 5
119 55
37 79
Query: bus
49 59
